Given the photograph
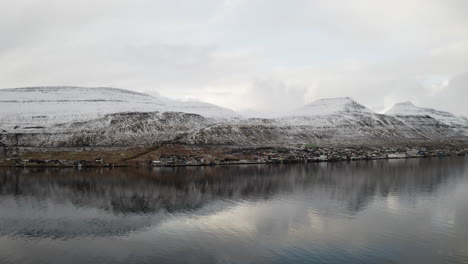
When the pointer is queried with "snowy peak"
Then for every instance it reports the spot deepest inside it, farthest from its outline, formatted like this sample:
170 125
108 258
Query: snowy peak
79 116
70 89
47 106
71 93
408 108
332 106
102 100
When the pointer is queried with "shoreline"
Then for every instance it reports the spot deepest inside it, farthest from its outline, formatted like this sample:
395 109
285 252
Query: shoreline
179 155
2 165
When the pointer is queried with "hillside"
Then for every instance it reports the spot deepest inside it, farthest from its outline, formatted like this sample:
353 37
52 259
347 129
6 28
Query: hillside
26 109
73 117
416 116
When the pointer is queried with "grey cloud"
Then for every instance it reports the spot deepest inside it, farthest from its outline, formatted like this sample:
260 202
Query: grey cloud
224 52
452 97
273 98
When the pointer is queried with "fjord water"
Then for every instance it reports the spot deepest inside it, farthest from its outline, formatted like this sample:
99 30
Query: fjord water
395 211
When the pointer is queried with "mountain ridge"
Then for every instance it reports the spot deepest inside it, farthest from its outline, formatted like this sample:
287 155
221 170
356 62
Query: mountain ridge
331 106
141 119
407 110
48 106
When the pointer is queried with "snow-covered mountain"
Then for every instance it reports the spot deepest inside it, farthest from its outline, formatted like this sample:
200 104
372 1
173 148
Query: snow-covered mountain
331 106
409 109
104 117
411 114
336 121
37 107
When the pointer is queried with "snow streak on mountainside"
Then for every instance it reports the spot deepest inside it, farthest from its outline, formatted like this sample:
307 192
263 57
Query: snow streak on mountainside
37 107
107 117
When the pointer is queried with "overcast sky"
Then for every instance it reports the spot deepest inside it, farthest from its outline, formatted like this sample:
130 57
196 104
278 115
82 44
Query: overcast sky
253 56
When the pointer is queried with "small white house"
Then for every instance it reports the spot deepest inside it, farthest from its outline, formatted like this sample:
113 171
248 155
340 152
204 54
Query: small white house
323 157
397 156
412 152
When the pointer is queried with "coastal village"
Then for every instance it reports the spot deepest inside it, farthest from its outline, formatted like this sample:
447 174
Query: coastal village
177 155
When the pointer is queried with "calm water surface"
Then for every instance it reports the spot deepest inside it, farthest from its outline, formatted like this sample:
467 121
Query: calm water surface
397 211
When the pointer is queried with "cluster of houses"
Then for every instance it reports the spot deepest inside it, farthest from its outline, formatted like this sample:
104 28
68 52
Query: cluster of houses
258 156
16 161
293 155
272 155
331 154
174 160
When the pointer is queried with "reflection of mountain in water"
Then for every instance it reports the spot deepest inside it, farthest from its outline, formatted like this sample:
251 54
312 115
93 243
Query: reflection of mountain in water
69 202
